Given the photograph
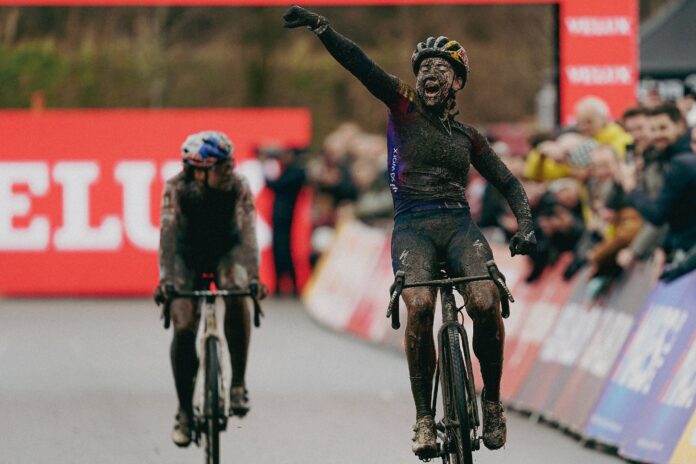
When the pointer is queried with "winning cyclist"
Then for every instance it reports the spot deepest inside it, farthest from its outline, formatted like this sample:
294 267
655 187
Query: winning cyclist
207 226
429 157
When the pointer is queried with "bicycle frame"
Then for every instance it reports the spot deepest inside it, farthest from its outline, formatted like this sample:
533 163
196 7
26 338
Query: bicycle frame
449 321
208 327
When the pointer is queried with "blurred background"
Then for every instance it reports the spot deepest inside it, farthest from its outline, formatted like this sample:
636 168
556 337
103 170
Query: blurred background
96 100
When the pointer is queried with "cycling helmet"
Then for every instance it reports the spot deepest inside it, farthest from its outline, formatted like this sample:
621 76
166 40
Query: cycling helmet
205 149
442 47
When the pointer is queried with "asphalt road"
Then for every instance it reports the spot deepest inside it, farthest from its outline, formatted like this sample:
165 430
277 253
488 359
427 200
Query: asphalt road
88 381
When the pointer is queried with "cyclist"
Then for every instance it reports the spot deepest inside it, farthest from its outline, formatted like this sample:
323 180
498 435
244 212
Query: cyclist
428 160
207 226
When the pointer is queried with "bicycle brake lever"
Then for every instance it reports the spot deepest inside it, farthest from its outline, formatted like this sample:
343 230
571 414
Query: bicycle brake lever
393 308
505 294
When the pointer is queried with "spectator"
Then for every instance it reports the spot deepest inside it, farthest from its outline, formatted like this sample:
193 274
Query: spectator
599 185
687 105
625 223
675 203
285 179
594 120
635 121
545 161
648 167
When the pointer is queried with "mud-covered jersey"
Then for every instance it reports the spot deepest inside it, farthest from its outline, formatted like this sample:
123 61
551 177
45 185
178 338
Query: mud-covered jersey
429 159
201 225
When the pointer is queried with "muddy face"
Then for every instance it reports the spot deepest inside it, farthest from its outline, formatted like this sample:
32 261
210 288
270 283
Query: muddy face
435 81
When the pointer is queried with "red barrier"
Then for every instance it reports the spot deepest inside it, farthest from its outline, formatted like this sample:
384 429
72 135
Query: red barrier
542 302
80 191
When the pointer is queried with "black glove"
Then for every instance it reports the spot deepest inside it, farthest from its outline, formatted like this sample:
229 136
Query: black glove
524 241
296 16
258 288
161 293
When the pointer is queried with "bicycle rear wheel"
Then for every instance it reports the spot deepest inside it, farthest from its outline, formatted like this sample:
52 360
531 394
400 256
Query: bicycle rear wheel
455 399
212 402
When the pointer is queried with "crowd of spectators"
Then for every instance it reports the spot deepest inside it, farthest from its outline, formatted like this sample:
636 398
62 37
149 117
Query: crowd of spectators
608 192
347 178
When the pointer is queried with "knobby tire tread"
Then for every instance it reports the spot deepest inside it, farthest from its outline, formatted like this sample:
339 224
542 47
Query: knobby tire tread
457 376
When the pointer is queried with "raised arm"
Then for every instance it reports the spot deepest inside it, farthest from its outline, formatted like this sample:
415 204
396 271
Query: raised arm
381 84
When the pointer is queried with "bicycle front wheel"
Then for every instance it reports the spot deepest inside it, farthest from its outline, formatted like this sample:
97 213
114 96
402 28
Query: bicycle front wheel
212 402
455 399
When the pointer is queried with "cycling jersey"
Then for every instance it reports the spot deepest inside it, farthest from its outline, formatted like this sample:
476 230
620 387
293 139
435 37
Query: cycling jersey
206 229
428 159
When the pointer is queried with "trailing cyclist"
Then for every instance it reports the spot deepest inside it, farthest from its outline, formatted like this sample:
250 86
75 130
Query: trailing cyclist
429 157
207 226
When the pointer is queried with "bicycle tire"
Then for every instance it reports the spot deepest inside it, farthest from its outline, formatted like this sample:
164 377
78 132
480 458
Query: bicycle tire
453 380
212 402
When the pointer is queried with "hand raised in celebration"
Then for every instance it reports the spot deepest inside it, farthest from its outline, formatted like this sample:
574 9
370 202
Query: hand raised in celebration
296 16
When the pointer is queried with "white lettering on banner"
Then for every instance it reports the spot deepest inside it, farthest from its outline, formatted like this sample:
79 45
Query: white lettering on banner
606 423
76 233
650 444
606 343
682 388
542 317
36 235
574 328
598 26
599 75
649 348
76 178
136 178
170 169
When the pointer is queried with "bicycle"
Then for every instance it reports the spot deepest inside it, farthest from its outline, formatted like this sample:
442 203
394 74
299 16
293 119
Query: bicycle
458 429
209 417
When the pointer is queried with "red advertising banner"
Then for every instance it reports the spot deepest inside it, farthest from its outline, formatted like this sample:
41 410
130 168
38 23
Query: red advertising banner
80 191
598 53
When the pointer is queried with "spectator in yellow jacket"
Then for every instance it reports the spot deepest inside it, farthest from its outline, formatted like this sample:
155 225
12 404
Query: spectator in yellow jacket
594 120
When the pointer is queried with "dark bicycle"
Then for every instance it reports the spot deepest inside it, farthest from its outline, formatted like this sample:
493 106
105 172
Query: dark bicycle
209 414
458 429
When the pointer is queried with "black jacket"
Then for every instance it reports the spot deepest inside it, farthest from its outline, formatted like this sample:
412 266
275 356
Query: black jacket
676 203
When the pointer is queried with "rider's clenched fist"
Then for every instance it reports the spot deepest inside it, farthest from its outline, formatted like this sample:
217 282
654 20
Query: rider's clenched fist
296 16
523 242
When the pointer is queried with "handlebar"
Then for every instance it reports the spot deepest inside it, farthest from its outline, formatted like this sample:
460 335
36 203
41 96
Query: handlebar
252 292
494 274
